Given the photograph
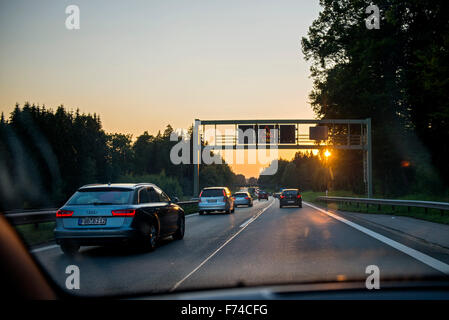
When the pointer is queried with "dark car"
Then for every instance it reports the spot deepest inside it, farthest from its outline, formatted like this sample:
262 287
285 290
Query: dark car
290 197
117 213
262 195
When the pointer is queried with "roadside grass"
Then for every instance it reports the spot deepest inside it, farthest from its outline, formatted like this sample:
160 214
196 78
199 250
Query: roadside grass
433 215
425 197
36 234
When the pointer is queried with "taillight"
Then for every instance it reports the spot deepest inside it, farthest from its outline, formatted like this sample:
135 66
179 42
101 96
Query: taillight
124 213
281 196
224 193
63 213
247 198
298 196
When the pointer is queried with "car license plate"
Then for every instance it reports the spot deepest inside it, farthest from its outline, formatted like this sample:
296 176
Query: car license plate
92 221
291 202
211 201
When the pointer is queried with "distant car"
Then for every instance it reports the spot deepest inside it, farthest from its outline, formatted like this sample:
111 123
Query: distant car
215 199
118 213
290 197
262 195
243 198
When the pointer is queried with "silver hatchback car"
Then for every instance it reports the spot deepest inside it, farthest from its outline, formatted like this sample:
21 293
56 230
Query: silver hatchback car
215 199
243 198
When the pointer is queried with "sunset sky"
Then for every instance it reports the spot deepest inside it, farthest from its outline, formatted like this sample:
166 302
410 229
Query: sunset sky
144 64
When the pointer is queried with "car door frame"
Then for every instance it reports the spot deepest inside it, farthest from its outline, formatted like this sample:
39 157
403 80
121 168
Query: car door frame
171 211
149 210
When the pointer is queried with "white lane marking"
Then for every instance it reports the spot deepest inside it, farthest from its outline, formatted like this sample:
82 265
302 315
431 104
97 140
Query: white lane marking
219 248
246 222
424 258
53 246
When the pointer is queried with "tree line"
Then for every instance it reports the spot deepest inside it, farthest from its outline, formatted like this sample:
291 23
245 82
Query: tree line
45 155
316 172
397 75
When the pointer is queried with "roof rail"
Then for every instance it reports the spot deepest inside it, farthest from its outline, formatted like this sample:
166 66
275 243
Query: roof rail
143 183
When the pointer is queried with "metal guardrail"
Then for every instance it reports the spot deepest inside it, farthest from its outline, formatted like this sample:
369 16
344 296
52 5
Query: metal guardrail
443 206
32 217
48 215
187 202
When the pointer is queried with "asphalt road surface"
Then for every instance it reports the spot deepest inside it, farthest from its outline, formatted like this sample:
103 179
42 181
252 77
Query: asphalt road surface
259 245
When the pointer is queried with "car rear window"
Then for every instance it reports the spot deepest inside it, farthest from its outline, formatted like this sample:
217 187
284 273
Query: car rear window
290 192
101 196
241 195
212 193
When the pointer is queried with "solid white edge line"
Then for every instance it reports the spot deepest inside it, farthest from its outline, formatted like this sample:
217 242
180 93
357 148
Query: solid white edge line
219 248
53 246
424 258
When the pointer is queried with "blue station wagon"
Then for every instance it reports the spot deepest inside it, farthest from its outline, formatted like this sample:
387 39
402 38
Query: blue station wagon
104 214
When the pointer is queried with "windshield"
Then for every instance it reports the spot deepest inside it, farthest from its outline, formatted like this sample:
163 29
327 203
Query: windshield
127 126
101 196
212 193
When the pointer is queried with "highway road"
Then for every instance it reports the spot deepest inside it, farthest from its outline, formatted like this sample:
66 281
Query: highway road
259 245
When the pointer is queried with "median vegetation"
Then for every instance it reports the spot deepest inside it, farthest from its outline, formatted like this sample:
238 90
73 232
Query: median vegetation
34 234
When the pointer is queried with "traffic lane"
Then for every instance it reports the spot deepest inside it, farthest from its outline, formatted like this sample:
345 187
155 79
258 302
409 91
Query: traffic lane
113 270
292 245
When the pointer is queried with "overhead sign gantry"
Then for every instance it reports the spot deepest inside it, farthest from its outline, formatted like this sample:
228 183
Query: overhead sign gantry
345 134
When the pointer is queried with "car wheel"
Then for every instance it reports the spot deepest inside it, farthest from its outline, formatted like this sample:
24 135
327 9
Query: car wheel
149 237
179 234
201 213
280 206
69 248
300 205
251 204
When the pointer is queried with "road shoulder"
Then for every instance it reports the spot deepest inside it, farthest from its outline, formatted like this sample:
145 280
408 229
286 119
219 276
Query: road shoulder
424 231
